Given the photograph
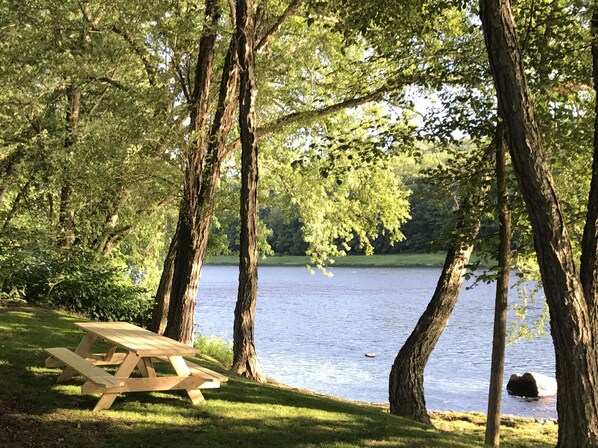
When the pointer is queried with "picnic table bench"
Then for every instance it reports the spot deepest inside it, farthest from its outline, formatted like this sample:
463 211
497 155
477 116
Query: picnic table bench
142 349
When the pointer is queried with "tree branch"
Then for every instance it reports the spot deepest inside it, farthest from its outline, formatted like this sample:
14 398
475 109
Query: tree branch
108 80
297 117
139 51
269 35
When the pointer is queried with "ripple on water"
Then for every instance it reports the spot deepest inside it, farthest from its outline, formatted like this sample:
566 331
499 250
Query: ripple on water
313 331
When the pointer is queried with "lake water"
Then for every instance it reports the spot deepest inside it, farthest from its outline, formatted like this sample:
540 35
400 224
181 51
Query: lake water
313 331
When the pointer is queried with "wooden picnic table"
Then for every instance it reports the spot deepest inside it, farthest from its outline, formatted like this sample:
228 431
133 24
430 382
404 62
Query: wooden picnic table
142 349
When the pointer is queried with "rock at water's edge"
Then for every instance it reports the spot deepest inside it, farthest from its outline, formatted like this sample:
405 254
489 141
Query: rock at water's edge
533 385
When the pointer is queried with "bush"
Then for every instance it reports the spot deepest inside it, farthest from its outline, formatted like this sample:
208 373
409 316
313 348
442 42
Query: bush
75 279
219 349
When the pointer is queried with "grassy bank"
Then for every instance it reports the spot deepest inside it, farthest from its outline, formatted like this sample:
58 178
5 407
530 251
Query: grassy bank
399 260
35 411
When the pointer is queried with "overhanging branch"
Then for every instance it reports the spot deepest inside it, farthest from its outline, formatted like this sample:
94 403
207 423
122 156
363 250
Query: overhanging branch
272 31
298 117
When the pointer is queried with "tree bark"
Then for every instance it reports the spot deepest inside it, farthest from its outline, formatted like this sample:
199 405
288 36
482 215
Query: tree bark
66 218
191 243
8 168
570 317
502 294
244 355
175 298
162 299
268 36
15 206
589 257
407 374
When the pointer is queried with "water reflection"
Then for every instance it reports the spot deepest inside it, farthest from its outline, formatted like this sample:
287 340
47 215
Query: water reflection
313 332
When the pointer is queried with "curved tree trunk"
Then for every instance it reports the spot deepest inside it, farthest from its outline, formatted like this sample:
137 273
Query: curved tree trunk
407 373
244 356
185 277
175 298
571 326
502 295
15 206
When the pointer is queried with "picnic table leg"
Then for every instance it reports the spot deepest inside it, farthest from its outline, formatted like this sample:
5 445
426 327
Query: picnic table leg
181 368
110 352
123 371
83 350
148 368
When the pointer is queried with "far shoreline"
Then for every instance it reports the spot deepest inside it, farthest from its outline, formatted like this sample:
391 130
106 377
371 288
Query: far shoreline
407 260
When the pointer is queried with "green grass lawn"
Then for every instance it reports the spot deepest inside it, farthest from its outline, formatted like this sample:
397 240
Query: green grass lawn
402 260
37 412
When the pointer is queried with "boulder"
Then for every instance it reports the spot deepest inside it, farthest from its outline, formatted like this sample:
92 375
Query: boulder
532 385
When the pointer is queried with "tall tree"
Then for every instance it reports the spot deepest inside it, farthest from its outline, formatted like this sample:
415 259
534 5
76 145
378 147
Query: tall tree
245 360
406 394
589 256
406 381
571 310
173 301
502 294
191 235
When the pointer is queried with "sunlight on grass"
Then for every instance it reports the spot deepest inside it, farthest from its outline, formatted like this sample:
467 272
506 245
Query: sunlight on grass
241 413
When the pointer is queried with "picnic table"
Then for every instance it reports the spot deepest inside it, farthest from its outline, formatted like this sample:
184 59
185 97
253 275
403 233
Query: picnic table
141 349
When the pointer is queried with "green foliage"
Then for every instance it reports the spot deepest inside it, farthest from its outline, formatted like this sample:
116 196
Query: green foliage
216 348
73 279
107 161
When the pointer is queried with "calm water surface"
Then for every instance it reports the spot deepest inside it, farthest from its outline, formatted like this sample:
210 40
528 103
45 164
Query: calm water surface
313 331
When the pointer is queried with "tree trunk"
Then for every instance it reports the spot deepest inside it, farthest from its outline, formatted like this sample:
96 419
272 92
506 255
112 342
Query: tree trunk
15 206
570 318
8 168
181 312
244 356
589 256
66 218
178 288
191 241
502 294
407 373
162 299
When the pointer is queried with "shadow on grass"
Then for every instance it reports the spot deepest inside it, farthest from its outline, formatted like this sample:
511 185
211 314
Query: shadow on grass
35 411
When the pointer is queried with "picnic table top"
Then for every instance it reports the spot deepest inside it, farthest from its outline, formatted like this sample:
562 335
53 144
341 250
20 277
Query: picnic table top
135 339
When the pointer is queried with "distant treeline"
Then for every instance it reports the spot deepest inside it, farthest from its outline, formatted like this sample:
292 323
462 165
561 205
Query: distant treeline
423 232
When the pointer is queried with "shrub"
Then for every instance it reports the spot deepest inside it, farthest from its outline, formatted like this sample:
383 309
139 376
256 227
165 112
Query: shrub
219 349
75 279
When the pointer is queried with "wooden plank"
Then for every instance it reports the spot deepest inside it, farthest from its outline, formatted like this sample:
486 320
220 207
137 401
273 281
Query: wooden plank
123 371
97 359
149 367
84 347
78 364
52 362
83 350
136 339
181 368
196 369
110 352
153 384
